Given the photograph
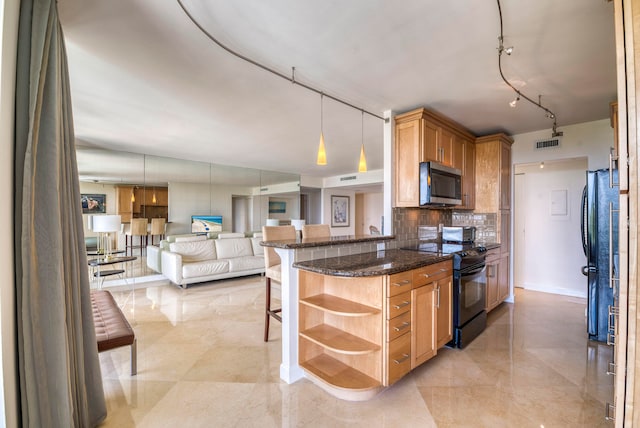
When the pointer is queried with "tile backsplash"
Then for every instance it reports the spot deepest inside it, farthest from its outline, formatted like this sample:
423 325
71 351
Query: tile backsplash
407 220
486 224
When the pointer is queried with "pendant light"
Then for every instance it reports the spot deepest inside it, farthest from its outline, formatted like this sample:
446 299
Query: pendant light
133 196
153 198
362 165
322 154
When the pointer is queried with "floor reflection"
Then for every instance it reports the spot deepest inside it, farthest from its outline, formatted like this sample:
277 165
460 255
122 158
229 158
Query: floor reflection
202 362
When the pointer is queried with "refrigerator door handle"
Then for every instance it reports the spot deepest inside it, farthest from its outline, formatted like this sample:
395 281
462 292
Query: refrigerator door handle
586 270
583 223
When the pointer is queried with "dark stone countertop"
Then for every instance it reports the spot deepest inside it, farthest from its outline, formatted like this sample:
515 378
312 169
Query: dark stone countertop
371 264
324 242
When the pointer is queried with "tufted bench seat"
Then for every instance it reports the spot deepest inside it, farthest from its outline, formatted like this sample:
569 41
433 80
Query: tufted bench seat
112 328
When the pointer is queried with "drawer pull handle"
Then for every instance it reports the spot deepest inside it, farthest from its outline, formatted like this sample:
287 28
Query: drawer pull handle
401 283
402 326
401 305
426 275
404 358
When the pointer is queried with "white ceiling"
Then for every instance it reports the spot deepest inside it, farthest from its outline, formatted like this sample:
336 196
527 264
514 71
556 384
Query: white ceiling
145 79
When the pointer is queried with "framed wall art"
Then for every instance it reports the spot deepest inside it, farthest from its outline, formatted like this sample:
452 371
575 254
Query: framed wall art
339 211
93 204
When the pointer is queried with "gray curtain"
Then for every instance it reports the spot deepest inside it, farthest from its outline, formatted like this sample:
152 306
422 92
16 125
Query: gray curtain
59 371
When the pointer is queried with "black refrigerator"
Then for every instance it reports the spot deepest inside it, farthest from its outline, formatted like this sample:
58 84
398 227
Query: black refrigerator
600 204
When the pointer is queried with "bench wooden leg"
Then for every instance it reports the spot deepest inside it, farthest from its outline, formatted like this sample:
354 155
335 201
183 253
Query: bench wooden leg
134 357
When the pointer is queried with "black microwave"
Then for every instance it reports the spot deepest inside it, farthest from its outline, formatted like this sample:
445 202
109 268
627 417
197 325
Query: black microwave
440 185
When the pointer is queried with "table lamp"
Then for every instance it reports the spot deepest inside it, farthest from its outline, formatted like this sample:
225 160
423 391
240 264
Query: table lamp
104 225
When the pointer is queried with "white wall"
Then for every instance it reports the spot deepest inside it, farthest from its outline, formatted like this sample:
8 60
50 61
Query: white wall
9 10
590 139
550 252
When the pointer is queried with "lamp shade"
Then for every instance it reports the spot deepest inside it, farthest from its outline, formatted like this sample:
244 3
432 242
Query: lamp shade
106 223
297 224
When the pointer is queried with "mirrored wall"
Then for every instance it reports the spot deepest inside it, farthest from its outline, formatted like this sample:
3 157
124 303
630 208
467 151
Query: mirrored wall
135 185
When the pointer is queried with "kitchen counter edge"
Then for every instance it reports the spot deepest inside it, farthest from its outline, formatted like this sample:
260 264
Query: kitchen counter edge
324 242
377 263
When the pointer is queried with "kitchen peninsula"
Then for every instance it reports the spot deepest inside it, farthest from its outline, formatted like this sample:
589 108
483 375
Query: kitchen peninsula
353 310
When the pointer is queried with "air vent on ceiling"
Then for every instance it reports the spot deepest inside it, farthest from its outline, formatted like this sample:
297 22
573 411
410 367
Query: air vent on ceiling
547 144
351 177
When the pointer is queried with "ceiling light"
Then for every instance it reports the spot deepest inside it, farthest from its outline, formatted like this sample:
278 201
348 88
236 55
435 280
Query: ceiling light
362 165
508 50
513 103
322 154
133 196
153 198
541 165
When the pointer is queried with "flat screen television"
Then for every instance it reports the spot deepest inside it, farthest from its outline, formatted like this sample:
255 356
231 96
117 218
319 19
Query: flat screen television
206 223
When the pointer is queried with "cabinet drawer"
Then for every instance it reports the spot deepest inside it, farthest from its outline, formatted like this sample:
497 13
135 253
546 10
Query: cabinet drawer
398 305
399 283
431 273
399 326
399 358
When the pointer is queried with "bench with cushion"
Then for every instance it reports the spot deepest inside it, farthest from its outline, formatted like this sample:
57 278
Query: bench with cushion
112 328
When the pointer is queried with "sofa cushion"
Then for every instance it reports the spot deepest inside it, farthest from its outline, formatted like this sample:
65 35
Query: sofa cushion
233 247
204 268
258 250
227 235
194 251
190 238
238 264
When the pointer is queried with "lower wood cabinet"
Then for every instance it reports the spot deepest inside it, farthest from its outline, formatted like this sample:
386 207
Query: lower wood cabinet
423 316
359 334
497 278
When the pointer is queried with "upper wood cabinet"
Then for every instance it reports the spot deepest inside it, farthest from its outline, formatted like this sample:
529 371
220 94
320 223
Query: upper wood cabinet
124 205
422 135
468 174
493 173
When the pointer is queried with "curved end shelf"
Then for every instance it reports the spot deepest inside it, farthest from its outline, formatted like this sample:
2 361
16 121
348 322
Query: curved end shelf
339 341
340 380
338 306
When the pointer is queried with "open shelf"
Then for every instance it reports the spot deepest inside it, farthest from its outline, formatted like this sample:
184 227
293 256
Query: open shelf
337 375
338 306
339 341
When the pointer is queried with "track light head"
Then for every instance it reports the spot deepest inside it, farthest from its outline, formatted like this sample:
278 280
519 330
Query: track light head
513 103
508 50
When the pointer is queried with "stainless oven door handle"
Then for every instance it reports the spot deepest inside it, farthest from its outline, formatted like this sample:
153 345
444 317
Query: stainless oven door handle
475 271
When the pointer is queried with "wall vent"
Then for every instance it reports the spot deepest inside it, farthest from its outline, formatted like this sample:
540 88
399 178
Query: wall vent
547 144
351 177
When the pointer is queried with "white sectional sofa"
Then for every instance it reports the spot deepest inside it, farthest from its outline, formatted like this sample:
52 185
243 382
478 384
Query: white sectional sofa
191 261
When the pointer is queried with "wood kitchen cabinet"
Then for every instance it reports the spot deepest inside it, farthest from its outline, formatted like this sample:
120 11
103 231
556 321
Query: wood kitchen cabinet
124 206
359 334
423 135
468 175
497 278
493 182
431 311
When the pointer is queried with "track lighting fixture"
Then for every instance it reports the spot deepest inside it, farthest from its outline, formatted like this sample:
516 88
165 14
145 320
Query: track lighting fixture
513 103
508 50
292 79
541 165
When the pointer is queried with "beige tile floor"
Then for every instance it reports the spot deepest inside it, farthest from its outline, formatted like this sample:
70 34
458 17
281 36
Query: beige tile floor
202 363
